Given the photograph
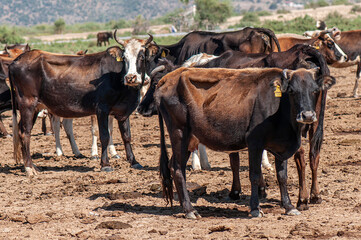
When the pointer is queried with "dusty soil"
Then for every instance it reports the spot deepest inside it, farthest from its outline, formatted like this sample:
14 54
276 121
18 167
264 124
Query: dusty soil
72 199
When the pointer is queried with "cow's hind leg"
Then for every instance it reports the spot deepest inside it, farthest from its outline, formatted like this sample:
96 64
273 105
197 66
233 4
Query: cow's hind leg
281 168
299 157
236 184
124 127
3 131
68 127
112 151
355 88
94 132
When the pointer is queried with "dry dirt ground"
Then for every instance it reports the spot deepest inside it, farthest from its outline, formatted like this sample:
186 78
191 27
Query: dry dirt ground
72 199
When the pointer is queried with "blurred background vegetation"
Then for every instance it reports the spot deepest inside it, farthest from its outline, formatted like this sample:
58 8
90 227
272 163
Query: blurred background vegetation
209 14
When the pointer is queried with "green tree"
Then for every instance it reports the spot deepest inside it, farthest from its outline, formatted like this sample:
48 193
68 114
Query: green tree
140 25
59 26
212 12
9 36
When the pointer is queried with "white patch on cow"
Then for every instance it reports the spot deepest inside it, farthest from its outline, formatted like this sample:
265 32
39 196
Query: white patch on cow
43 113
199 60
131 51
346 64
344 56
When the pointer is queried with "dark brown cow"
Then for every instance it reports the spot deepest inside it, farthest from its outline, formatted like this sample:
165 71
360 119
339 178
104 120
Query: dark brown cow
102 83
323 42
250 40
228 110
6 59
103 37
298 56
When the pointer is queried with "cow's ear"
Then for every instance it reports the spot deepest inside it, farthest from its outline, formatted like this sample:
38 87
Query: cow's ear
164 52
27 48
336 34
280 84
326 82
116 53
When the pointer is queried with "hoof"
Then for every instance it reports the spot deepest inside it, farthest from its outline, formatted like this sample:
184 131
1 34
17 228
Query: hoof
302 205
31 171
137 166
316 200
79 156
257 213
193 215
95 157
293 212
116 156
234 195
48 134
107 169
206 167
8 136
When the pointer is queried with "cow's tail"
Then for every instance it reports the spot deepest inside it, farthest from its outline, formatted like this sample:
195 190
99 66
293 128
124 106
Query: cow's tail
317 138
165 173
271 36
16 137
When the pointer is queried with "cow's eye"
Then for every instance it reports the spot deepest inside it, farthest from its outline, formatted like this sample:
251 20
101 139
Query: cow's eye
329 44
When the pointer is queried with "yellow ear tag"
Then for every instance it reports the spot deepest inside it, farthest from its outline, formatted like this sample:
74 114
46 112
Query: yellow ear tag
119 59
278 92
317 47
163 54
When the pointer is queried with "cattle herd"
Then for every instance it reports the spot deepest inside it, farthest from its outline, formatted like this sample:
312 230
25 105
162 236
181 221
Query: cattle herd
246 89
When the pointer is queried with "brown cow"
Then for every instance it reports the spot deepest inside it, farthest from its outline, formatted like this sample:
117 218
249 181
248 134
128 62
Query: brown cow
228 110
323 42
350 42
104 37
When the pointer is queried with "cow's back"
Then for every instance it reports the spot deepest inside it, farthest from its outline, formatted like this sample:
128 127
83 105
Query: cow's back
216 98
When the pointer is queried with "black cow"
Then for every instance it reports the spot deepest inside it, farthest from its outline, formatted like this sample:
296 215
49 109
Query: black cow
228 110
217 43
94 84
103 37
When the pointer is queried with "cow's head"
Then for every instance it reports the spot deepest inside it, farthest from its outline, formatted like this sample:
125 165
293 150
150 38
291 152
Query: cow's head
135 59
302 87
329 48
148 107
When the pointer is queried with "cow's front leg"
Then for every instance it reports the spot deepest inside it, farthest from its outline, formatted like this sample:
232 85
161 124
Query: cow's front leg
25 127
255 176
104 140
281 168
124 127
180 141
299 157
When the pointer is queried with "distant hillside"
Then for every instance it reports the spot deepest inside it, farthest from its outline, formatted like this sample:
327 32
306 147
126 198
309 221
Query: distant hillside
32 12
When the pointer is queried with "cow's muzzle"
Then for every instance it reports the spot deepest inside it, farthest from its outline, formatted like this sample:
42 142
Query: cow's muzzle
131 80
306 117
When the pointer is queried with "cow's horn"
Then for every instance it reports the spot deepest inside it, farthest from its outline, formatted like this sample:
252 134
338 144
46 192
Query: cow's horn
157 69
150 39
121 42
284 72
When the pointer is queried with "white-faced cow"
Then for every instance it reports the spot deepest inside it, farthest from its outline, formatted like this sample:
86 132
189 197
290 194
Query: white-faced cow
228 110
76 86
